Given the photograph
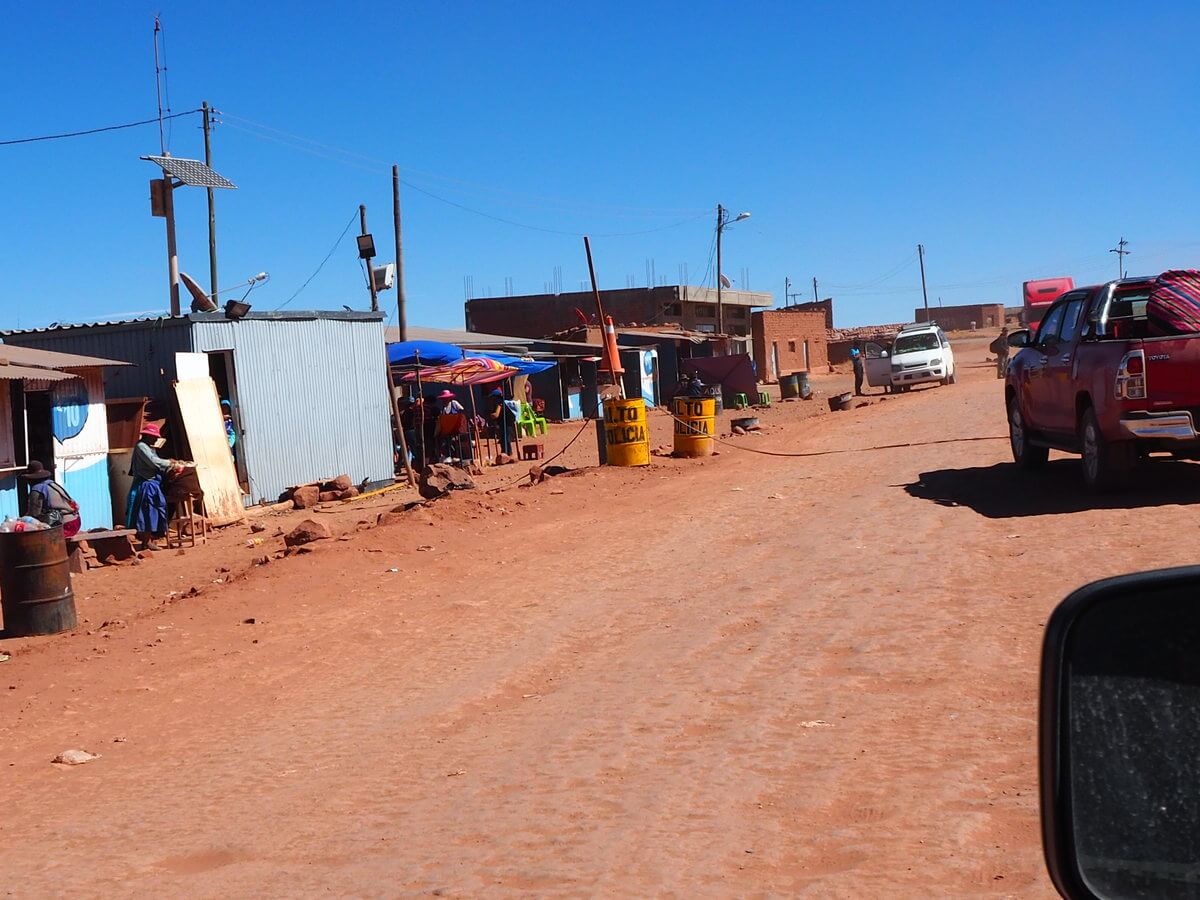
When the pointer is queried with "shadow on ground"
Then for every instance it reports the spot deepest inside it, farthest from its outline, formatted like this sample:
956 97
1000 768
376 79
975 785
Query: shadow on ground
1003 491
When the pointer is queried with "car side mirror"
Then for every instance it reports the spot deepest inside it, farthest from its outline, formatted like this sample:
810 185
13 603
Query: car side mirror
1020 338
1118 732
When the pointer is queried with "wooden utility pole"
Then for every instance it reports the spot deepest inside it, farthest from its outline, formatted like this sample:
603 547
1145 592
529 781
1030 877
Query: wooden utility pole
401 299
924 293
720 307
206 111
362 221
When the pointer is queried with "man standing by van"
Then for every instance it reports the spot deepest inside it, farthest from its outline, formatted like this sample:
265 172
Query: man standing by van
856 358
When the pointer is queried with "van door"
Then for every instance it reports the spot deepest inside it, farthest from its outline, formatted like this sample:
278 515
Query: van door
879 365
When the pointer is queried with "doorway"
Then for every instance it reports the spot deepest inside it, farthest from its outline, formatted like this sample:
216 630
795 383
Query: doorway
220 368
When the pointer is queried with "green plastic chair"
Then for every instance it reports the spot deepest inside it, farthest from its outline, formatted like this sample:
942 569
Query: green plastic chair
528 421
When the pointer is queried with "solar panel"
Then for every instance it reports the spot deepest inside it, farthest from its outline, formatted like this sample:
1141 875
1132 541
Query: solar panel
191 171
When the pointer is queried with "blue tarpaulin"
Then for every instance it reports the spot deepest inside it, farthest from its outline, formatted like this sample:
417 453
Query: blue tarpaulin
523 366
424 353
435 353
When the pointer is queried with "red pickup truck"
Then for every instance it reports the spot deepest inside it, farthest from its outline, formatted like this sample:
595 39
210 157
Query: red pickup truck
1112 373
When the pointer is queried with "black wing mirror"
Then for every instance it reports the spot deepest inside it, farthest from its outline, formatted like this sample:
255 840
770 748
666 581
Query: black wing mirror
1021 338
1119 738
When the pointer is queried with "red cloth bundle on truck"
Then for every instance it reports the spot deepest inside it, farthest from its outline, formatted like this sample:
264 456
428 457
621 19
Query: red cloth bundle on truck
1174 304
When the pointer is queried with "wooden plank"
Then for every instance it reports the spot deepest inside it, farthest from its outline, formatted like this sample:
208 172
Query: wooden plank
200 410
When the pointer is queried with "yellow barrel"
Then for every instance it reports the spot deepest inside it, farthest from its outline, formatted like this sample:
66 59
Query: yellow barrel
695 424
626 437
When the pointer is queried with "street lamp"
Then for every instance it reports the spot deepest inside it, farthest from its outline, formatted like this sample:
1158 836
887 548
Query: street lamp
723 220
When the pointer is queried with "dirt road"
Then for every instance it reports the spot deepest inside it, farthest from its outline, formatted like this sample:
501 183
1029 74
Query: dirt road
743 676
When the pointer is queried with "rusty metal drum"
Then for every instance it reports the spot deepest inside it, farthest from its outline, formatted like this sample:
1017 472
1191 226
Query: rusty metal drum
789 387
35 583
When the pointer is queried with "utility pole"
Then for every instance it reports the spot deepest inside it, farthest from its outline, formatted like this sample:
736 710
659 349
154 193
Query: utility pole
787 285
1121 254
206 110
401 299
924 293
816 296
172 256
362 221
720 308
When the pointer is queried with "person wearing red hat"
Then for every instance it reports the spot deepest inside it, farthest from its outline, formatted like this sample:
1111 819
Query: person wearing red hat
146 506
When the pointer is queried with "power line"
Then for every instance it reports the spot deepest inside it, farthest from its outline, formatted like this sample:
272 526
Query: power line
377 166
71 134
564 205
336 244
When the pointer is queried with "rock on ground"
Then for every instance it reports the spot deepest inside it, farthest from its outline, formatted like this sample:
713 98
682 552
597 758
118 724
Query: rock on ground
306 496
306 532
75 757
438 480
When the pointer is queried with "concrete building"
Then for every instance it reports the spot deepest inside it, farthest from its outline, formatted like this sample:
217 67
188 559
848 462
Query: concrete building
963 318
792 339
309 390
686 306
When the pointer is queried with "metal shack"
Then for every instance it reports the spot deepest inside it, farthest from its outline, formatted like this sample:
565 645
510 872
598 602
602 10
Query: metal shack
52 409
308 390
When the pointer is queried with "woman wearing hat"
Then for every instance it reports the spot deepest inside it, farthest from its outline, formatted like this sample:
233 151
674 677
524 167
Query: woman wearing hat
146 506
49 501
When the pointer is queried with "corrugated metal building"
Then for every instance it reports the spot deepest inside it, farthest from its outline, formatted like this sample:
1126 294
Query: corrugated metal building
309 389
52 410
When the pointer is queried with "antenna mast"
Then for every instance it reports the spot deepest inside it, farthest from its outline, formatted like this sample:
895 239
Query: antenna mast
158 70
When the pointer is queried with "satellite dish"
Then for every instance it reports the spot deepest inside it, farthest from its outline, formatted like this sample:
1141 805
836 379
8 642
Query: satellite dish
200 300
725 282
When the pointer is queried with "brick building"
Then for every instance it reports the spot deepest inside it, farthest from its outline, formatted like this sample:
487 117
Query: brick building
825 306
963 318
689 307
792 339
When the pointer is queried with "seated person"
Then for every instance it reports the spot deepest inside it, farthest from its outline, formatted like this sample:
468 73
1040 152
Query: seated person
49 501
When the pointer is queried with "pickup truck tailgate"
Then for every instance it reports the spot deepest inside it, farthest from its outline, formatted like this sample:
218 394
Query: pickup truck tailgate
1172 372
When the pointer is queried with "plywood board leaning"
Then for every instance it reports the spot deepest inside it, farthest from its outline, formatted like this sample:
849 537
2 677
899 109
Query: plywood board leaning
202 421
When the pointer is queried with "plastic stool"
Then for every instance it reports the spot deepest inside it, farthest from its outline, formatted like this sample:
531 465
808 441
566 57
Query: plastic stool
740 401
533 451
764 399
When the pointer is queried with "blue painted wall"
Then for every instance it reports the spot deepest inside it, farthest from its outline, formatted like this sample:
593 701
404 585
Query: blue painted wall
8 496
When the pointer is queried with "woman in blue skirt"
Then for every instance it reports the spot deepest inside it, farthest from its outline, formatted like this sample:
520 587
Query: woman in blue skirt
146 506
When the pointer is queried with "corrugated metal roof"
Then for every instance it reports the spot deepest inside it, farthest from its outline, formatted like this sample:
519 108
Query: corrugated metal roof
22 373
282 315
51 359
68 326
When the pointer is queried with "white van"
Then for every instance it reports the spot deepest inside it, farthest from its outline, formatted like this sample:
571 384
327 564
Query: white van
921 354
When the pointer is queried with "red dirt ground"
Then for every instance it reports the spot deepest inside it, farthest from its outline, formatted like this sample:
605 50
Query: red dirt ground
746 675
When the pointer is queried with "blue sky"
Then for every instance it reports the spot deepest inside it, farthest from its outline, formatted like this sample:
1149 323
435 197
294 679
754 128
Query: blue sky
1015 142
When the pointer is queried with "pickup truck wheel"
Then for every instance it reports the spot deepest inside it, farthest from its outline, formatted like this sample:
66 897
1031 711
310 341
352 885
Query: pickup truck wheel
953 379
1106 464
1025 455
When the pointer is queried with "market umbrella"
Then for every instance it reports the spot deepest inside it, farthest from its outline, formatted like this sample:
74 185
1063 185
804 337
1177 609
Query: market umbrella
468 371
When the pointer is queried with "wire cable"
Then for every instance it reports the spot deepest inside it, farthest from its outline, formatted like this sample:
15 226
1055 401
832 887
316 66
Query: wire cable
378 166
336 244
71 134
543 463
